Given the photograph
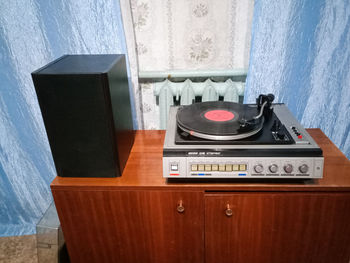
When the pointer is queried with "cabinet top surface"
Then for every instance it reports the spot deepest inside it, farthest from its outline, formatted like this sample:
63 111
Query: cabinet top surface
80 64
144 170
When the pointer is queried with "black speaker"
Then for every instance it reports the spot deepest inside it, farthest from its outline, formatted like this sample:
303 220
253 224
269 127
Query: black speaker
85 104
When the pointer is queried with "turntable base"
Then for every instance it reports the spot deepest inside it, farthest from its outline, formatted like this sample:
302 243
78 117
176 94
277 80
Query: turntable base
223 140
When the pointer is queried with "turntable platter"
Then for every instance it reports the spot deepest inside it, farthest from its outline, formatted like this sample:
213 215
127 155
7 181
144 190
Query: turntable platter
219 120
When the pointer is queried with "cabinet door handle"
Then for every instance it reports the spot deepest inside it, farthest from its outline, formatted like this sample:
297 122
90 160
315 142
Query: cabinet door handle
180 208
228 211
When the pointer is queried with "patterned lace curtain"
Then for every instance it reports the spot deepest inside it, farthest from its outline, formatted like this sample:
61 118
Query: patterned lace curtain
301 53
184 35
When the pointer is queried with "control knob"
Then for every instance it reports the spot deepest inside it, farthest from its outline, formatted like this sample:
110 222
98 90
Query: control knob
304 168
273 168
258 168
288 168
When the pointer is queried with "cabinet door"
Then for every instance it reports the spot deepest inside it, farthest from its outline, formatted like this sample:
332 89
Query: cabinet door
277 227
132 226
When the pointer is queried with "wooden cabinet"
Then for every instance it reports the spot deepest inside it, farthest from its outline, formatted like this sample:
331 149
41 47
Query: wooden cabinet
132 226
141 217
277 227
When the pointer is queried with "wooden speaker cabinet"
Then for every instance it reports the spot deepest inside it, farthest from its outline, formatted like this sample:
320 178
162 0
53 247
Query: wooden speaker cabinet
85 104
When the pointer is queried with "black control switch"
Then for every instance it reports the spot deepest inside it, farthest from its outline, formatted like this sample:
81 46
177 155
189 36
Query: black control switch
280 135
274 126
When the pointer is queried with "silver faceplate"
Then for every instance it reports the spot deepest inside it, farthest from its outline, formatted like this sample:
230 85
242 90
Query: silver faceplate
184 163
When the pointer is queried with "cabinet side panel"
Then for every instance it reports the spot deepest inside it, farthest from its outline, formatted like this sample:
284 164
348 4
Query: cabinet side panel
132 226
278 227
121 108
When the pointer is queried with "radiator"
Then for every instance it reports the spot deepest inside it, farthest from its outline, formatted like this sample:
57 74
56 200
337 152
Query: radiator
183 88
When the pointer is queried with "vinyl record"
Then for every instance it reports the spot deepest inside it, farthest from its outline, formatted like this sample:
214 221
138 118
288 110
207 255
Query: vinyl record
219 120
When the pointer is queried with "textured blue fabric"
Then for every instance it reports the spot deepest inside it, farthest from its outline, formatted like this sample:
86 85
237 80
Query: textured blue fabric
300 51
33 33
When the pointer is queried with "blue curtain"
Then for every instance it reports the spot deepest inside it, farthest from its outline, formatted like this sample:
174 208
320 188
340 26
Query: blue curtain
33 33
300 51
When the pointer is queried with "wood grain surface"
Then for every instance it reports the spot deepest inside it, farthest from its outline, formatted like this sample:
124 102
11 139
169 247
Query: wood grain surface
278 227
144 170
132 226
134 218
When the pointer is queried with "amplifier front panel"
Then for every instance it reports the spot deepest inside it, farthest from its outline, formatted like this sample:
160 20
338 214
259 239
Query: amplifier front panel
247 167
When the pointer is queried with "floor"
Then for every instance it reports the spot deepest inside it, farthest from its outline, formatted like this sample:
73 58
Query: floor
18 249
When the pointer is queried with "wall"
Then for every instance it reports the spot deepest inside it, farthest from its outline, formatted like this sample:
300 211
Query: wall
301 53
33 33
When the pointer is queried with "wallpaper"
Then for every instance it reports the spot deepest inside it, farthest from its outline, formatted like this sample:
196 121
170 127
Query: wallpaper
33 33
188 35
301 53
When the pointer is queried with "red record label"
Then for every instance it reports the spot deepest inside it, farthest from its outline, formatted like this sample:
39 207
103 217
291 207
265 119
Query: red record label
219 115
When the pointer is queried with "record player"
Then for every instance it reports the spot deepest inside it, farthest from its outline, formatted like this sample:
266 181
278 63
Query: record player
222 139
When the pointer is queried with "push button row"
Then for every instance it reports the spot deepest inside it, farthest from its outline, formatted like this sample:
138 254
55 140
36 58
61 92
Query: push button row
219 167
297 133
